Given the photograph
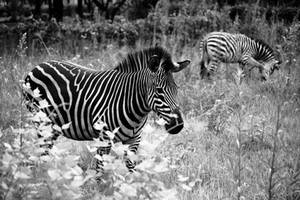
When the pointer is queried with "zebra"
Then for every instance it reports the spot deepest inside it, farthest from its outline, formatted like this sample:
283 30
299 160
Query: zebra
121 97
217 47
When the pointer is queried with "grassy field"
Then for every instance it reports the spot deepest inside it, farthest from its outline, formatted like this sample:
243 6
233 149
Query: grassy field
241 138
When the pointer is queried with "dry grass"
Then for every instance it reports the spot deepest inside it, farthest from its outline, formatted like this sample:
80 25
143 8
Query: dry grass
236 143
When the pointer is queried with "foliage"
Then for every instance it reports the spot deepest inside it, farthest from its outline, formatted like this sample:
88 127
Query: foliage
61 174
241 136
184 22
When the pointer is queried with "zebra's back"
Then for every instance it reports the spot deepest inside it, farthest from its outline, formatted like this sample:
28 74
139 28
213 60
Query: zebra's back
225 47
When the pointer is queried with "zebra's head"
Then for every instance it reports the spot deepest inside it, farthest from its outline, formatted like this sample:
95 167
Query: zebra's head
163 89
269 68
270 59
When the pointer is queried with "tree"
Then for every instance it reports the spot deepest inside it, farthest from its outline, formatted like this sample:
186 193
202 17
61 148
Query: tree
79 8
37 8
58 8
109 8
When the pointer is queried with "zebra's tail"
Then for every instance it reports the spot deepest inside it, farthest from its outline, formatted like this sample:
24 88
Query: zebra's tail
204 60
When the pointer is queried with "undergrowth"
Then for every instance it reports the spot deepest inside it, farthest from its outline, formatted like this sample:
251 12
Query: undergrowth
241 137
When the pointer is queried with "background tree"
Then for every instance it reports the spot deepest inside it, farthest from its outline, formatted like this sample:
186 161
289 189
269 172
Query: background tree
58 8
109 8
79 8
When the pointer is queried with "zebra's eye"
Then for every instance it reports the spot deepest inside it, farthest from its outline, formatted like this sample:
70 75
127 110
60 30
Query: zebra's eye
159 90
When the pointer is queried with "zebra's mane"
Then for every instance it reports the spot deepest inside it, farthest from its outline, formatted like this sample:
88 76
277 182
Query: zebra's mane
138 60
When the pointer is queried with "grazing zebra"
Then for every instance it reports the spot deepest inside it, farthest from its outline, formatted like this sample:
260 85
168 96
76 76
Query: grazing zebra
121 97
217 47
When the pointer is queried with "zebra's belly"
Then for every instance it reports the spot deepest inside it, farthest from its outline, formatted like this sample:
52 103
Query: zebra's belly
88 131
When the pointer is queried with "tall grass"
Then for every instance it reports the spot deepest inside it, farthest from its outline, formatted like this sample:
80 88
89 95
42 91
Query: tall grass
241 140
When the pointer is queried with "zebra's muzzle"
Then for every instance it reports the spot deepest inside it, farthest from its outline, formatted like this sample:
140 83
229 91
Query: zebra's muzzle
176 123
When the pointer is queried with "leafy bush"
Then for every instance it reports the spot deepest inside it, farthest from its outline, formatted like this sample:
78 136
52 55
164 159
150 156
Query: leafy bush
63 174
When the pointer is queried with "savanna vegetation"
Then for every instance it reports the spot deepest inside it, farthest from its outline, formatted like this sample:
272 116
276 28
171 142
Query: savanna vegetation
241 138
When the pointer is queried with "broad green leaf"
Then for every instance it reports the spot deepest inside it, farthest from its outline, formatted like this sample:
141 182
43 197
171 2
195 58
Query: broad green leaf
146 148
91 149
98 143
47 133
111 135
56 127
36 93
186 187
6 160
8 146
26 86
43 104
98 157
119 148
46 158
71 160
77 181
99 125
53 174
182 178
77 170
56 151
66 126
132 156
89 174
34 158
65 146
145 165
170 194
4 185
68 175
108 158
40 117
128 190
148 129
161 167
161 122
21 175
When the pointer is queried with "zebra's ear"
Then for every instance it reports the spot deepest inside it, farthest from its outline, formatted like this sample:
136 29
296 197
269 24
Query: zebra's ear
154 63
180 66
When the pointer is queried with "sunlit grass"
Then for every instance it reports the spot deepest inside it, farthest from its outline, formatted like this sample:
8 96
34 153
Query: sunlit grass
225 124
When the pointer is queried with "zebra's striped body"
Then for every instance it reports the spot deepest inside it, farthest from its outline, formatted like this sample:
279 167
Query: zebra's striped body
217 47
121 97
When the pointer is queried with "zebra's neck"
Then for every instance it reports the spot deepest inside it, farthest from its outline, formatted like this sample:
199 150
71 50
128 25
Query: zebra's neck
263 52
128 102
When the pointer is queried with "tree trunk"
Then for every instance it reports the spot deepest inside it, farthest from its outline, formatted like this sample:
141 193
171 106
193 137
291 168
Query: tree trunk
14 10
58 8
50 11
37 8
79 8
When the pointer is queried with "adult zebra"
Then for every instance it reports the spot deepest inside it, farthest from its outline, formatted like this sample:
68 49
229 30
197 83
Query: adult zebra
121 97
217 47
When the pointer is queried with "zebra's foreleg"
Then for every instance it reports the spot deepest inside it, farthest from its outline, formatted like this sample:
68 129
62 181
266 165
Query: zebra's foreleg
133 146
129 163
103 150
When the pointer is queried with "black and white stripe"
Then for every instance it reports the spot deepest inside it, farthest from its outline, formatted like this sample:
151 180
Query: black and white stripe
121 97
217 47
